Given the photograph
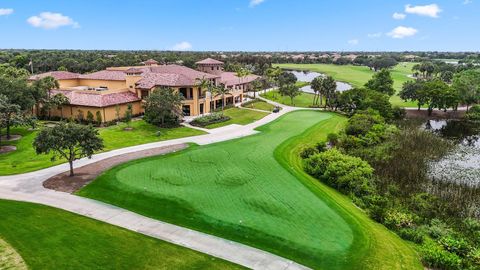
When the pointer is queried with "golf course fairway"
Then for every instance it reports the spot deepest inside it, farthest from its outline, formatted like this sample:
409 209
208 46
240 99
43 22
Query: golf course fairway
253 190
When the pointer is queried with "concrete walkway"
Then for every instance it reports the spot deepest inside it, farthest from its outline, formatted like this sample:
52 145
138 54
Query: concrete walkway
28 187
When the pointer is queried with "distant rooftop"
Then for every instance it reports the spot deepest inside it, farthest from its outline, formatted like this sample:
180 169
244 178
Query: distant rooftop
150 62
209 61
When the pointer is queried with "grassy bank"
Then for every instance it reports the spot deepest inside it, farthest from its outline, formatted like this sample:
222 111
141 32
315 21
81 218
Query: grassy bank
304 100
247 191
24 159
49 238
239 117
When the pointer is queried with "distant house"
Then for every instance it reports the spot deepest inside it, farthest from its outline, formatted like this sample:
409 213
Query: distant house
116 87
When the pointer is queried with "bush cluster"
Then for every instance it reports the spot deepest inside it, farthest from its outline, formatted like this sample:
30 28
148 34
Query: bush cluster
206 120
383 168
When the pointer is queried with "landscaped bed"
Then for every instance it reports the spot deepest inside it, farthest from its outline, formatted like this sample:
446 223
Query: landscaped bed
24 158
253 190
49 238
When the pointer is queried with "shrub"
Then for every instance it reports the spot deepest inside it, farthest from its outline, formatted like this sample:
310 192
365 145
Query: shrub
332 138
345 173
308 152
98 116
362 122
474 257
473 113
376 205
398 113
209 119
438 229
455 245
89 117
395 219
412 234
435 256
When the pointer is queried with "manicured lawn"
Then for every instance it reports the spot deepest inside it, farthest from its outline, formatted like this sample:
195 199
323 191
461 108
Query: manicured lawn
9 257
357 76
240 117
49 238
260 105
24 158
303 100
251 190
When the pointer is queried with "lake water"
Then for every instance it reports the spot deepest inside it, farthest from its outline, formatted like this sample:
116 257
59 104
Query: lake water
462 165
308 76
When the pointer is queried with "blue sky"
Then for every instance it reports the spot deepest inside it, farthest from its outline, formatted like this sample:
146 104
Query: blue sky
246 25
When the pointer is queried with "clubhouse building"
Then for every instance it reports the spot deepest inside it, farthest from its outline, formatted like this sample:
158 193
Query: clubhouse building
111 90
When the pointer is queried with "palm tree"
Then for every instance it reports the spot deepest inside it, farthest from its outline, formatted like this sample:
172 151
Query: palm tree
59 100
206 84
242 73
317 86
221 90
41 91
257 86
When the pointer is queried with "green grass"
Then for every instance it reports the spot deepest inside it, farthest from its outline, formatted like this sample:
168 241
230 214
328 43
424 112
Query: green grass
259 105
24 159
252 190
303 100
357 76
9 257
240 117
49 238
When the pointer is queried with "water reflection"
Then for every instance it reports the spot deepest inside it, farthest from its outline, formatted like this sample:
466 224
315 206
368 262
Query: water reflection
462 165
308 76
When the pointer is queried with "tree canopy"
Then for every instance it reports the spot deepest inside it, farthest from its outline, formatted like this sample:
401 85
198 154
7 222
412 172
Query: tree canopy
69 141
163 107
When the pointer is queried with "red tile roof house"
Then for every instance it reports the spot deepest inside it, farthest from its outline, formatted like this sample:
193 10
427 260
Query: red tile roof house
113 89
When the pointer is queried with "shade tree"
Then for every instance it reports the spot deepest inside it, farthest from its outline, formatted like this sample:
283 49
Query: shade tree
163 107
69 141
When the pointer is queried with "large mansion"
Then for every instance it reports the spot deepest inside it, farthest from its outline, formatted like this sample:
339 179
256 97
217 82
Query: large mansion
110 91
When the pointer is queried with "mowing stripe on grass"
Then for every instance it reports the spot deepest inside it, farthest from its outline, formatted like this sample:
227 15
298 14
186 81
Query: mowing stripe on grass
239 190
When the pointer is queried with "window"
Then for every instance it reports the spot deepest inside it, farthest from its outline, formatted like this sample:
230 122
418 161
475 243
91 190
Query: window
213 68
144 94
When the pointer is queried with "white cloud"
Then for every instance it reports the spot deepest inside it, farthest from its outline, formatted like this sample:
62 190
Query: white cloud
49 20
182 46
255 2
375 35
402 32
399 16
431 10
5 11
466 2
353 42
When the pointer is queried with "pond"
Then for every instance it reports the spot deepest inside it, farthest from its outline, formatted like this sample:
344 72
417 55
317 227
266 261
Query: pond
308 76
462 164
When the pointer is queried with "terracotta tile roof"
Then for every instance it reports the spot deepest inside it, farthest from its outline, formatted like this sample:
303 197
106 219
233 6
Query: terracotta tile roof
164 79
58 75
209 61
230 78
150 62
134 70
171 75
108 75
97 99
